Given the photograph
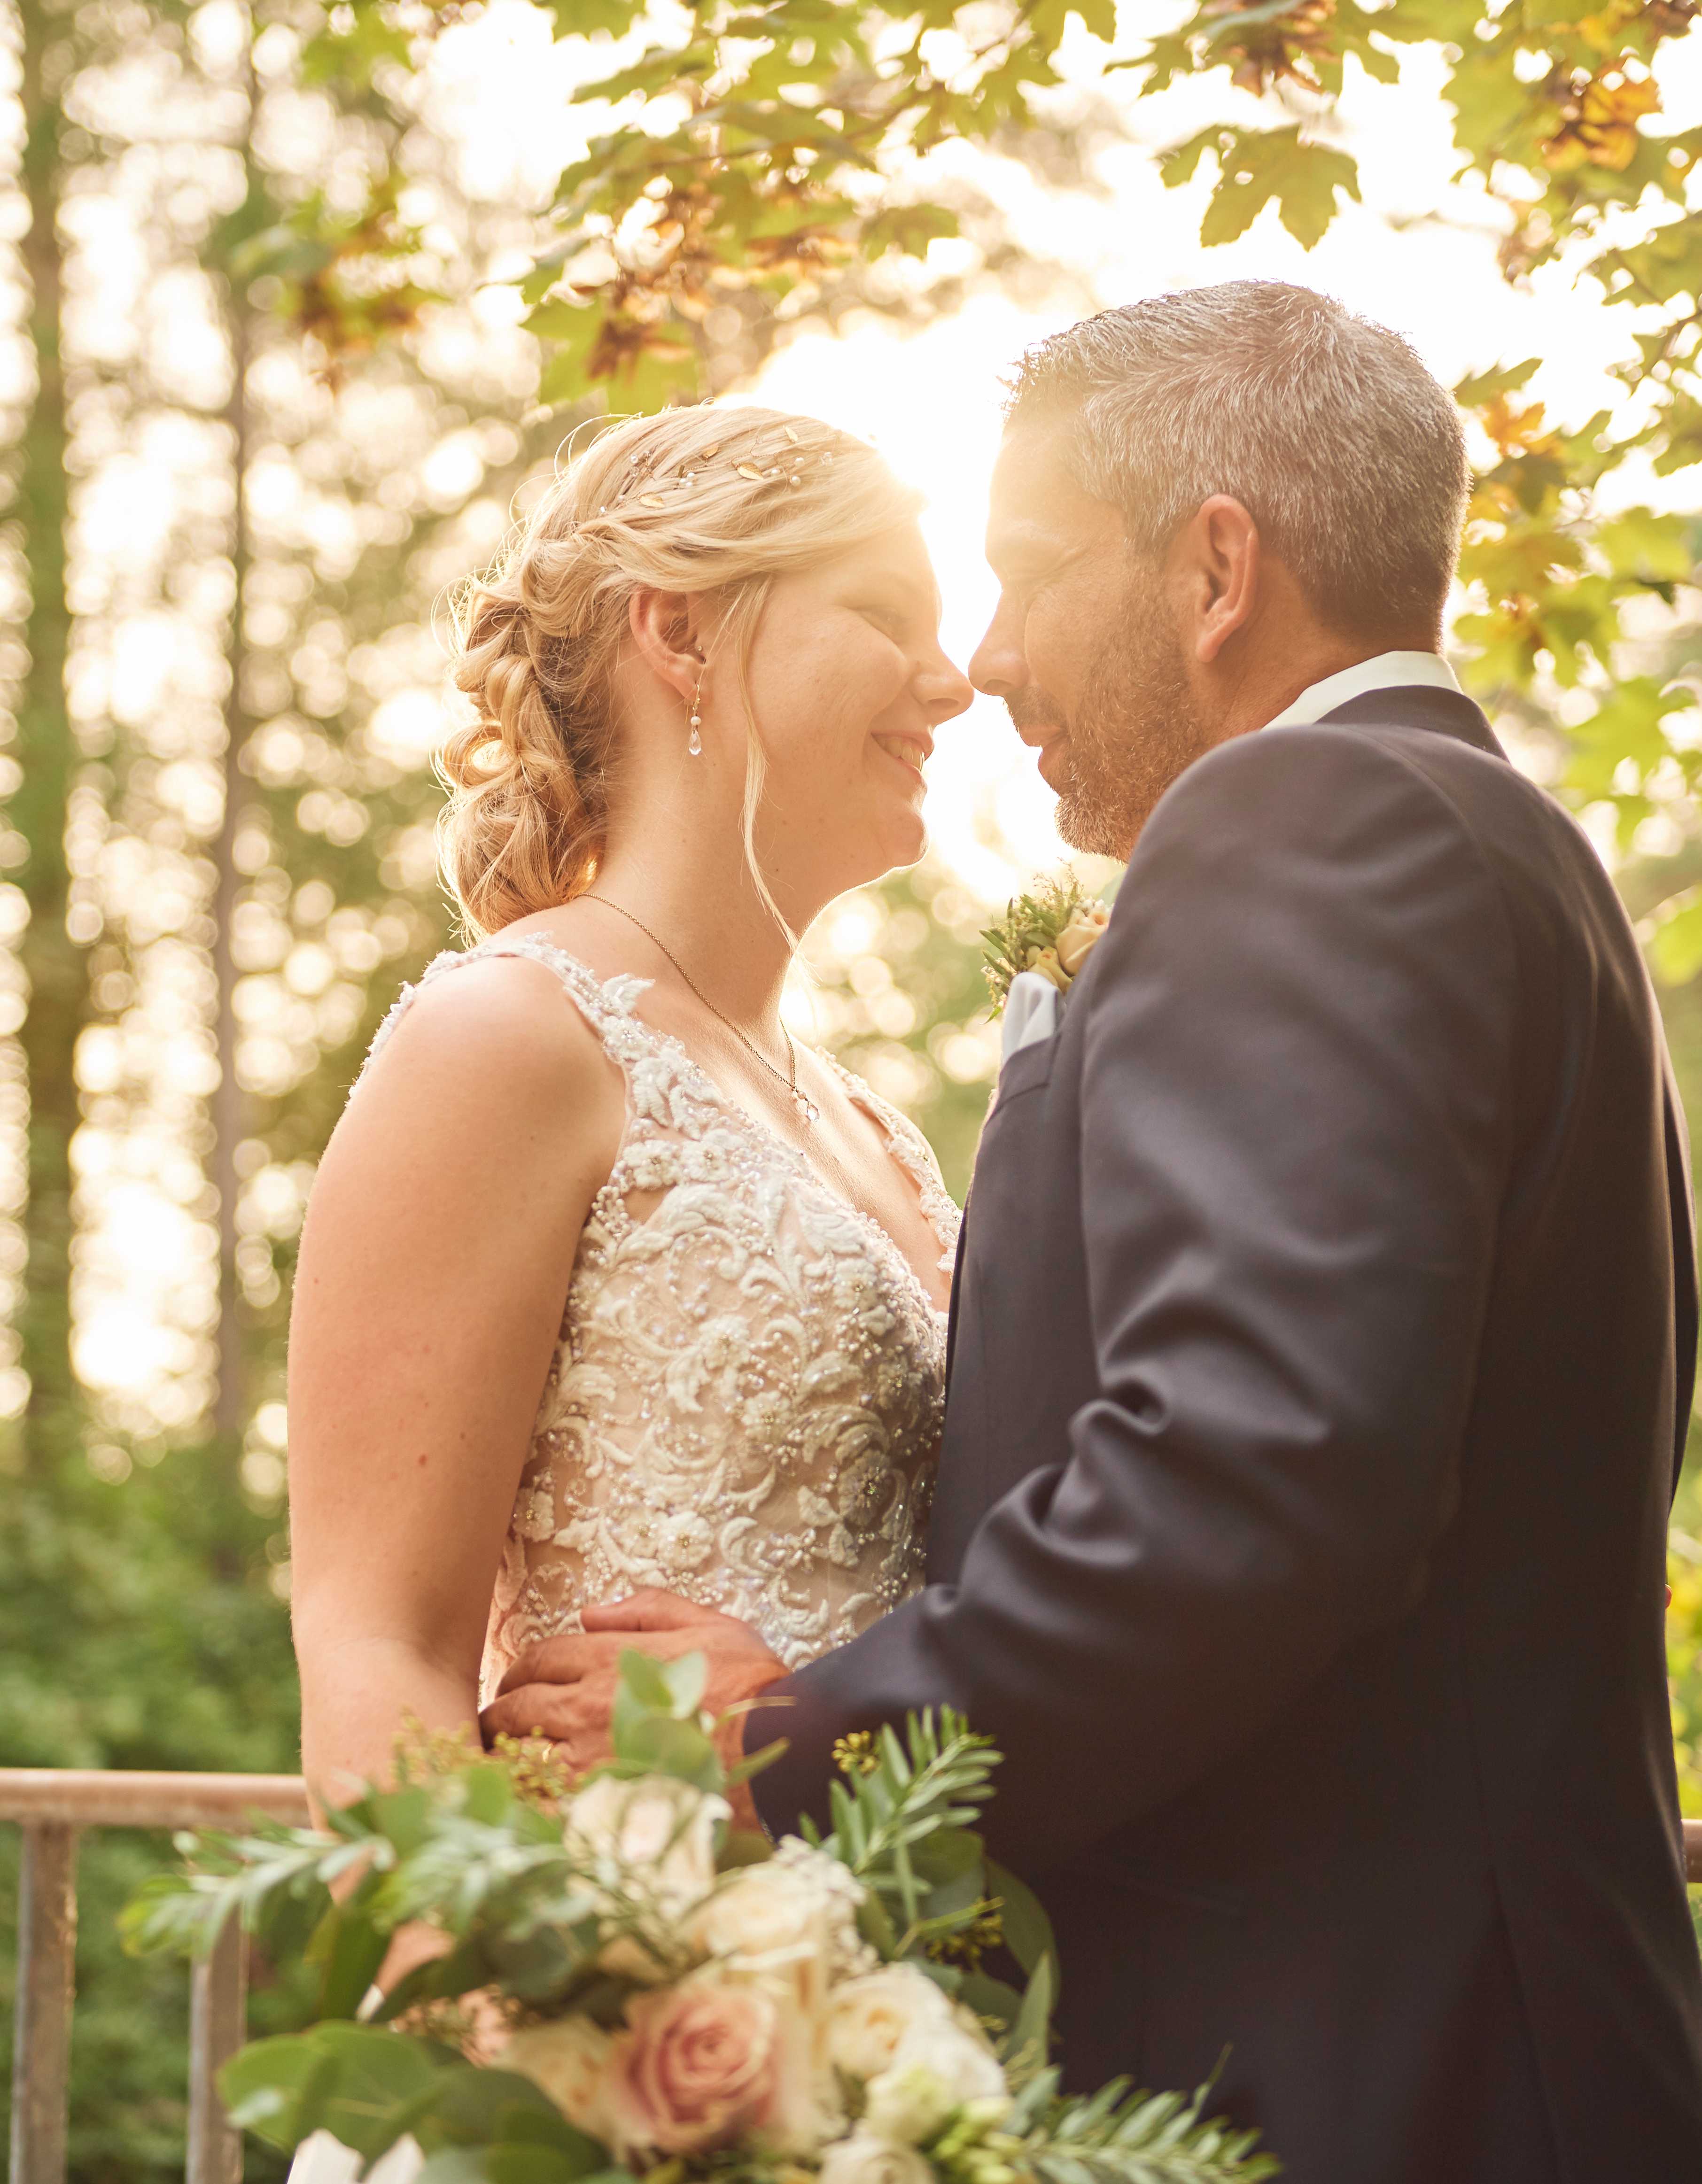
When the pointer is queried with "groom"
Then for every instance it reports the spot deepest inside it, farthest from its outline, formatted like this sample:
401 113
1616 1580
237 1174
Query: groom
1325 1319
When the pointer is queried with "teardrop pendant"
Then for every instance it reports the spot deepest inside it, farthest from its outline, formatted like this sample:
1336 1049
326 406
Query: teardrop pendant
695 746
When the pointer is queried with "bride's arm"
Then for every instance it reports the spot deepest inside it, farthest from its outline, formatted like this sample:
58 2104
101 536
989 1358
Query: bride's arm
434 1266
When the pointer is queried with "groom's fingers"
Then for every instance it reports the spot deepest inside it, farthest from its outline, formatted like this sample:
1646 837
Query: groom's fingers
569 1715
575 1657
562 1660
649 1610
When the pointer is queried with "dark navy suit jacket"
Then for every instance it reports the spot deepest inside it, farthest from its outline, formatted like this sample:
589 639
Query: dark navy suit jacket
1324 1327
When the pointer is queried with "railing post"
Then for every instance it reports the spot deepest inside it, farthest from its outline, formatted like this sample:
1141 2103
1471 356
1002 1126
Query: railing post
46 1970
218 1999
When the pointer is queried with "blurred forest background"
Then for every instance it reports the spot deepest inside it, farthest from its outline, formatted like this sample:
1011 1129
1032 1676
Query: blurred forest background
274 364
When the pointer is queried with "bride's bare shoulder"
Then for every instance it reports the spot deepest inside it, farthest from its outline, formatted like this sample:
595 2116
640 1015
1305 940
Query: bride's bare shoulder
497 1044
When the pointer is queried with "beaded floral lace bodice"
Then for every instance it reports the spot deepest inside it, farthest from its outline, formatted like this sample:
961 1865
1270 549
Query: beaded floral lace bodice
744 1400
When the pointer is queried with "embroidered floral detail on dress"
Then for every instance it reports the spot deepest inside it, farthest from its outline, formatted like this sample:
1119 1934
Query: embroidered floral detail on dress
745 1403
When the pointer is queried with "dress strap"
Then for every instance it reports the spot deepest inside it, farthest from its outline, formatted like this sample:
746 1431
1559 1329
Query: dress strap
609 1005
914 1154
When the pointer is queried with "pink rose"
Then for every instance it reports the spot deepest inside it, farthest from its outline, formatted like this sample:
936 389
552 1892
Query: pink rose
697 2065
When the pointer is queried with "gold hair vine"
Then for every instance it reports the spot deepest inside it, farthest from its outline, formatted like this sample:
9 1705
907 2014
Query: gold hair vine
790 465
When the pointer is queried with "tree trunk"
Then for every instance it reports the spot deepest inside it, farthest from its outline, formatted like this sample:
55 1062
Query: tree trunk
56 966
230 1399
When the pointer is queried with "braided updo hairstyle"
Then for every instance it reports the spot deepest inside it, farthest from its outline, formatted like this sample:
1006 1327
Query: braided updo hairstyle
705 500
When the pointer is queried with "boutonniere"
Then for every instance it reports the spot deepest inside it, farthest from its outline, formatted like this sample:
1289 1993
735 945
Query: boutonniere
1052 930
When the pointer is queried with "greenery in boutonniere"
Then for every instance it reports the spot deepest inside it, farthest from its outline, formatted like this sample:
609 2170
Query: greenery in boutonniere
1052 929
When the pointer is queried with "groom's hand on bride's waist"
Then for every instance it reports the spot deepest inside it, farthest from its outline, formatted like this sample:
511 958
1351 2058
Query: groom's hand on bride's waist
564 1688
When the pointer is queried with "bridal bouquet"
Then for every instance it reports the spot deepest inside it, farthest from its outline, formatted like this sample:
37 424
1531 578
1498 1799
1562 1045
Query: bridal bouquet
655 1994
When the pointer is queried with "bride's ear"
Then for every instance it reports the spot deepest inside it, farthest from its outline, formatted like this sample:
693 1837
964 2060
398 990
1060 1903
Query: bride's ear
667 637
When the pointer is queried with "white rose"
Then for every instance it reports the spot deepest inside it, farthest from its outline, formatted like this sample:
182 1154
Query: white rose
1081 936
792 1919
863 2158
938 2069
652 1841
569 2060
842 1895
868 2018
1044 960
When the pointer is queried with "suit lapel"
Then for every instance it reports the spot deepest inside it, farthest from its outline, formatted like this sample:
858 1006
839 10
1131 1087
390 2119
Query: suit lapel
956 1285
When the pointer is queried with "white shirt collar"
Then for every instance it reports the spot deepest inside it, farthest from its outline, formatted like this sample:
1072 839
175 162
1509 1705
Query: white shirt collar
1389 671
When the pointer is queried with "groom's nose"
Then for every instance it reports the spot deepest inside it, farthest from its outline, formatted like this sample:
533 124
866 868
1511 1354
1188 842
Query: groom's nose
999 666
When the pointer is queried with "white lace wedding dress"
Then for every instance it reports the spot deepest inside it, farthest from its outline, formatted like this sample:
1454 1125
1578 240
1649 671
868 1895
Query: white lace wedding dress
744 1401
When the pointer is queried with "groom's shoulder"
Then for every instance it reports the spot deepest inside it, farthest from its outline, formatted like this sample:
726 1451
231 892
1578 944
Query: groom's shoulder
1352 816
1329 780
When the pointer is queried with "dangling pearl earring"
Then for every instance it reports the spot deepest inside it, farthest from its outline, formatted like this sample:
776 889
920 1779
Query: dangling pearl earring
695 744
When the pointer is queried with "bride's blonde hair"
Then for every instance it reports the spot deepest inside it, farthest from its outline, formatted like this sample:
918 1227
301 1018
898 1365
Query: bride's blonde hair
716 501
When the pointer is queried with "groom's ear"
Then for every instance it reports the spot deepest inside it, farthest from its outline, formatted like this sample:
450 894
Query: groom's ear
666 636
1216 559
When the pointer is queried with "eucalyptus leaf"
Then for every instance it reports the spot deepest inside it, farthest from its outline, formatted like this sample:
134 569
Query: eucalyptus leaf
455 2164
356 2081
1031 2035
686 1678
470 2106
276 2088
348 1949
510 2163
659 1744
990 1998
1028 1930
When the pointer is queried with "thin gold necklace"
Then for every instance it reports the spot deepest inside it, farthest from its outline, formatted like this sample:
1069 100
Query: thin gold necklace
808 1112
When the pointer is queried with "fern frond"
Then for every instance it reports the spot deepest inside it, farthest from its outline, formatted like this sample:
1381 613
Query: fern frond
1115 2137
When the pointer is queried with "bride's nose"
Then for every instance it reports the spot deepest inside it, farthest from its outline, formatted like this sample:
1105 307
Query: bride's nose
942 688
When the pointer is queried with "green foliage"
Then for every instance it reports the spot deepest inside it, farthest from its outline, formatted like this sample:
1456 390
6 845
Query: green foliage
1258 167
1120 2137
926 1789
908 1009
368 2086
138 1628
466 1843
901 1823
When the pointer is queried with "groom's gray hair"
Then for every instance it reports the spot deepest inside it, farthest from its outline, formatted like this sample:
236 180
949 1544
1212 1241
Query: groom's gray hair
1326 428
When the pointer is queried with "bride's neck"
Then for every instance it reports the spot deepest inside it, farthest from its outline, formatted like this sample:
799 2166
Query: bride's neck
691 886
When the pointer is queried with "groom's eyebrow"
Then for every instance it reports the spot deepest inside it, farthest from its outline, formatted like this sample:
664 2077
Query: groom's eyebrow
1019 551
1024 539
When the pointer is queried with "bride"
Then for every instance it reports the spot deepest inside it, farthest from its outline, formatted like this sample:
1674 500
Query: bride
606 1283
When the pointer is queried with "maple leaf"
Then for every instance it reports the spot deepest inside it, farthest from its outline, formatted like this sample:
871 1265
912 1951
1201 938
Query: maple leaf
1599 125
1258 167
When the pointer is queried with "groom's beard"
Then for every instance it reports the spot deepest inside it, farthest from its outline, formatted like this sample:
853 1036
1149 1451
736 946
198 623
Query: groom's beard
1137 730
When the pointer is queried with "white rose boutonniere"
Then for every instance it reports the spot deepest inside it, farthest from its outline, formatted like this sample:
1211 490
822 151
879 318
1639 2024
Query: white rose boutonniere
1051 931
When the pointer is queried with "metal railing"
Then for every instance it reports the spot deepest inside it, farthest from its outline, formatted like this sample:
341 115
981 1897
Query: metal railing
52 1805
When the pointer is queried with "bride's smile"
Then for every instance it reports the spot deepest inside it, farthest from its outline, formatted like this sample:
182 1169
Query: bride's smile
912 752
